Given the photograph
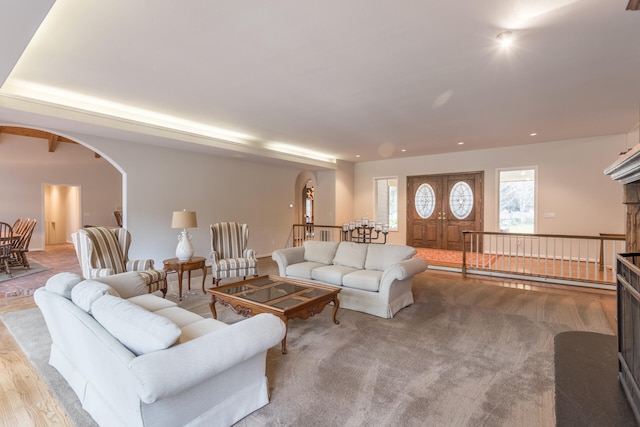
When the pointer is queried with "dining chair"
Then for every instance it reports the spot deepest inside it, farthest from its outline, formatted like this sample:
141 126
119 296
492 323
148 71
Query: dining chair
6 237
230 256
17 226
20 245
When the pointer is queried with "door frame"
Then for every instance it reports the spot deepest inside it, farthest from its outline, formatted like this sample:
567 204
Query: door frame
443 220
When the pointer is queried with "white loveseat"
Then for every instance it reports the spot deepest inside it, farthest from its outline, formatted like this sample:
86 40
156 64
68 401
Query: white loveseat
136 359
374 278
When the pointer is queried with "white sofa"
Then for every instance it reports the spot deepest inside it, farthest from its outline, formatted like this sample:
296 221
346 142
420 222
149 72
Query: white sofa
136 359
374 278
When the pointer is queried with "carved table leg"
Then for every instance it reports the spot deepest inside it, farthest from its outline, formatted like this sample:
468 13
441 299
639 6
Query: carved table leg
212 307
336 306
204 276
284 340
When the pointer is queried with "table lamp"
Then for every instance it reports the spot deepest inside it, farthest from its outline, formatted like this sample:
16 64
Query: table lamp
184 219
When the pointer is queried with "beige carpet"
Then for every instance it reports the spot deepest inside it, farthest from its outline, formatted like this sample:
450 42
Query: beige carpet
463 354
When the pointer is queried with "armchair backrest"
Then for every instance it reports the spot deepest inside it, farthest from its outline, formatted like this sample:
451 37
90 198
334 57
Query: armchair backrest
229 239
101 247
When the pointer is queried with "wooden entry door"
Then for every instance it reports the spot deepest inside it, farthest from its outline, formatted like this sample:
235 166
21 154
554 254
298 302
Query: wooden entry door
440 207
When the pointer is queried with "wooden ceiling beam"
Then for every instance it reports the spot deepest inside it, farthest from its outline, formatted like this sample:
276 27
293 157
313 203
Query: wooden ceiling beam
53 142
34 133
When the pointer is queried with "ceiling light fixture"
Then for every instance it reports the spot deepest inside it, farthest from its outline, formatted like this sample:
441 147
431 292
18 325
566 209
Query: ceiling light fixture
461 143
533 134
505 38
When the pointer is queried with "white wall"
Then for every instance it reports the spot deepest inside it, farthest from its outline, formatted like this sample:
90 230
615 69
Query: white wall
26 165
159 181
156 181
571 183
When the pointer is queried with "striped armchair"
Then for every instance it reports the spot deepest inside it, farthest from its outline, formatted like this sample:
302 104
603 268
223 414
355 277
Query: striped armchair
229 254
104 252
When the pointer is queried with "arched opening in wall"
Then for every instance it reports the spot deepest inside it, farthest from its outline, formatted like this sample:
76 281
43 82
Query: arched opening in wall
304 203
62 183
307 197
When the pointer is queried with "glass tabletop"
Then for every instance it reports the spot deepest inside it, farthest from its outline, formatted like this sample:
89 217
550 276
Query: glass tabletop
265 290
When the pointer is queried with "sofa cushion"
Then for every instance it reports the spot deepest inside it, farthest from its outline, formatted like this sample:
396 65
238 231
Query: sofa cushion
179 316
379 257
136 328
367 280
127 284
85 293
200 328
318 251
63 283
151 302
331 274
302 270
351 254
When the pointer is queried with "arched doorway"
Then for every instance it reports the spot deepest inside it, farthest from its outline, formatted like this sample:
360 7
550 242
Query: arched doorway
44 159
304 206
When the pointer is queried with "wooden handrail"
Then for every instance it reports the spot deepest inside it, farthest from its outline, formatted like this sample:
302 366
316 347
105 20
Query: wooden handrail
549 256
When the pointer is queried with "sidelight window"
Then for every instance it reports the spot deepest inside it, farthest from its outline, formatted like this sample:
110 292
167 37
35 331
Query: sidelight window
517 210
386 200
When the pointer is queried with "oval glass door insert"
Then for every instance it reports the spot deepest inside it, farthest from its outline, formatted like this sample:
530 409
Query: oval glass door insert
461 200
425 201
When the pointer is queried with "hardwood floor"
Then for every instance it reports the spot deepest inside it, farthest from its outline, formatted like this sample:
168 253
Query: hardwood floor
25 400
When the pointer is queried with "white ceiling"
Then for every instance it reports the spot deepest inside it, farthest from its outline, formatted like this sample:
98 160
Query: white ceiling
343 78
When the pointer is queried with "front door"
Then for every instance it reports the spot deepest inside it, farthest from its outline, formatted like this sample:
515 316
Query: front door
440 207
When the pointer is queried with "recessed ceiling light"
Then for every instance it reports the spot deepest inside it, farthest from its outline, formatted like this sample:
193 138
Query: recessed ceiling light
533 134
357 155
505 38
403 150
461 143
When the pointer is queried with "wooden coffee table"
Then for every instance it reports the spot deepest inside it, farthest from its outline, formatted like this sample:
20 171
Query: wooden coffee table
284 297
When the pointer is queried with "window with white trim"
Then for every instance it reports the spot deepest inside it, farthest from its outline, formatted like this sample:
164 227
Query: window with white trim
386 201
517 200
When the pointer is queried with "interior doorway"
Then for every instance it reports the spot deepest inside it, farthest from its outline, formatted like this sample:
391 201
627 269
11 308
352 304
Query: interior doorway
440 207
61 213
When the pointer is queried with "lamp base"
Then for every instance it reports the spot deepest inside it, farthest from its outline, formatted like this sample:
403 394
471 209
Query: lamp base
184 251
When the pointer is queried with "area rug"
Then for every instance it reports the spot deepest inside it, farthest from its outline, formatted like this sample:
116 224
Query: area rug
460 355
586 370
17 272
454 258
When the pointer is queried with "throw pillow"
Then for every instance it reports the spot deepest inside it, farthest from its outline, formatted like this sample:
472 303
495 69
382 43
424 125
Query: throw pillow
379 257
319 251
136 328
351 254
84 294
63 283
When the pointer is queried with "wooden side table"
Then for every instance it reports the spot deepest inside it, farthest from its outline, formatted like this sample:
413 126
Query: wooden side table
195 263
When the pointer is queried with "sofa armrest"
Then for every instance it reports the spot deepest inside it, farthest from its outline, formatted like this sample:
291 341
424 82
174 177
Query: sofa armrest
157 375
286 257
139 265
129 284
401 271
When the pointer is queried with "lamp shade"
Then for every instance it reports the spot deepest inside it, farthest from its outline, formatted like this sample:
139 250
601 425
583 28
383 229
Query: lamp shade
184 219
